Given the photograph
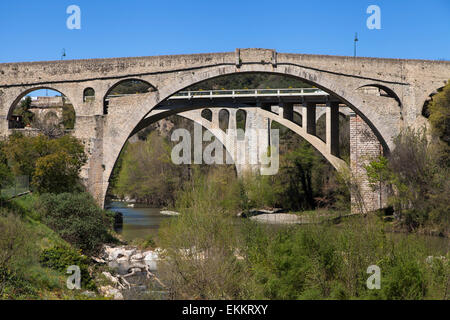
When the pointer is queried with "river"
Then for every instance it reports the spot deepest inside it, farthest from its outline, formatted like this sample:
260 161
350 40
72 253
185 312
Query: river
139 221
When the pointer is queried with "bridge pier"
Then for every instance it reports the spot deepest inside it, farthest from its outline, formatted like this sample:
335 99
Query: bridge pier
364 147
287 111
309 117
332 128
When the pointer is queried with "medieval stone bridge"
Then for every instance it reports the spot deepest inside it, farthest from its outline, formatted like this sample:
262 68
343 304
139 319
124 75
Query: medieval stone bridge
385 95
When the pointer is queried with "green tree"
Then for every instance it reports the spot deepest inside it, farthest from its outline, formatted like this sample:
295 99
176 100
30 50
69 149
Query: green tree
419 181
440 114
24 111
53 164
77 219
147 172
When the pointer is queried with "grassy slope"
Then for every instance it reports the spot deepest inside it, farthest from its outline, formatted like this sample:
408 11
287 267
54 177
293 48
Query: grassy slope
45 282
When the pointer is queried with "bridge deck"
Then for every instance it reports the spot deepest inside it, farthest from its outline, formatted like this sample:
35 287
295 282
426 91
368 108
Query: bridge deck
246 96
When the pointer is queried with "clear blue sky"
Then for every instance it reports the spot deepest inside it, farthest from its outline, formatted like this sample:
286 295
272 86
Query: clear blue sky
36 30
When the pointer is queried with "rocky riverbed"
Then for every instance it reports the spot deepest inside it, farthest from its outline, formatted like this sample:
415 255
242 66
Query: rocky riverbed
133 273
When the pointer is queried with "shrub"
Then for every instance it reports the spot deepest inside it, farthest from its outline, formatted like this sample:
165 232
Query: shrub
77 219
60 258
419 181
200 244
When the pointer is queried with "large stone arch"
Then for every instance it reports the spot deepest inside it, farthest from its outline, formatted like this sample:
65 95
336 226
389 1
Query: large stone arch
126 114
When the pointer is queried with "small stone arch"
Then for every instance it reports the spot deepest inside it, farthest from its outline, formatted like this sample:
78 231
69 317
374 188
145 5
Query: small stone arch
426 104
380 90
127 86
88 94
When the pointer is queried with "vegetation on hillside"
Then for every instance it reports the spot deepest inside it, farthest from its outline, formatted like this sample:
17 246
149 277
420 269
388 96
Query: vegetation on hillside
43 233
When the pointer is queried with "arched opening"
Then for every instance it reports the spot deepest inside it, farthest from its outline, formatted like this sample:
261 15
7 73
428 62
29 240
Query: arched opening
241 119
88 95
380 91
425 108
210 85
151 147
224 118
125 88
42 110
207 114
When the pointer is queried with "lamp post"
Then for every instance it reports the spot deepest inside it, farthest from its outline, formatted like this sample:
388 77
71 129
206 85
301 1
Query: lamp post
354 47
63 54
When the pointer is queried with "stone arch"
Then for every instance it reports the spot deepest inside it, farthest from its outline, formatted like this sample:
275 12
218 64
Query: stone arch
136 86
174 82
88 94
27 91
327 82
425 107
381 90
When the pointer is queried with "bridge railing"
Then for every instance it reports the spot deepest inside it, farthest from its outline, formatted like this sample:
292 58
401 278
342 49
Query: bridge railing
248 92
240 93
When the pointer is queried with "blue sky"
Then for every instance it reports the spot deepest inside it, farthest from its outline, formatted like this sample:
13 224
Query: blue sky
36 30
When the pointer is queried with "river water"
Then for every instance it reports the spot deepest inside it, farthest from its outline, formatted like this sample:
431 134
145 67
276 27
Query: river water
139 221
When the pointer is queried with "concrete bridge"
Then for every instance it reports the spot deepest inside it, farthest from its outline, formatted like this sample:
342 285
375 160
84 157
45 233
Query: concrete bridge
385 95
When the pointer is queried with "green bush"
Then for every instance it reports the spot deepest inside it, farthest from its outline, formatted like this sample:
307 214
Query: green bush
327 262
53 164
60 258
77 219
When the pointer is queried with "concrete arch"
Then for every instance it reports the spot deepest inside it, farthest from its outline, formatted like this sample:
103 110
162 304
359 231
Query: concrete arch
318 144
155 116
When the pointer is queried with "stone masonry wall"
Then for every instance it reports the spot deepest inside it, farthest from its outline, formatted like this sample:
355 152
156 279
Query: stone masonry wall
364 147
